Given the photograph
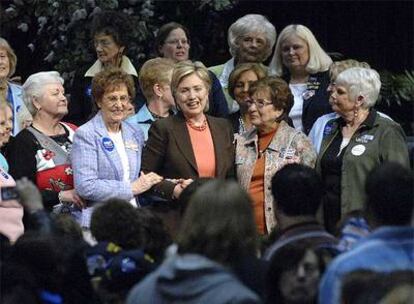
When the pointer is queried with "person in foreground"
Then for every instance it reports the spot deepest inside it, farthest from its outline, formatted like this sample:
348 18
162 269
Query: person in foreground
294 274
217 231
41 151
106 154
355 143
297 190
390 247
265 149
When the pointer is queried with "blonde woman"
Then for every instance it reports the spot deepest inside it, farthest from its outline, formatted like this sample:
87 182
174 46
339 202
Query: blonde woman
301 61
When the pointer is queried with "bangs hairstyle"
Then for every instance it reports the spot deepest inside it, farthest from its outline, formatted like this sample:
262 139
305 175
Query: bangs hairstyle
319 60
163 33
187 68
361 82
10 53
109 80
114 24
249 24
256 68
34 85
339 66
280 94
219 223
155 71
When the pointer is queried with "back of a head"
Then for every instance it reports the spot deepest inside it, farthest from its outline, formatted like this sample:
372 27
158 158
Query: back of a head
218 223
155 71
339 66
390 198
297 190
117 221
188 192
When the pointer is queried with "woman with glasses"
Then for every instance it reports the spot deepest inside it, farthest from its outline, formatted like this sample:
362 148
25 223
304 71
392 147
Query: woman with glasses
271 144
173 42
106 154
110 37
41 151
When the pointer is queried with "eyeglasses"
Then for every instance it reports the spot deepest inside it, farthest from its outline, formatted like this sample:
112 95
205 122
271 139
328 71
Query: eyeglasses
177 41
259 103
103 43
114 99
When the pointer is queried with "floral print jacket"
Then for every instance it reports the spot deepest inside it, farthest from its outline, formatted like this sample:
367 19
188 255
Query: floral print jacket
287 146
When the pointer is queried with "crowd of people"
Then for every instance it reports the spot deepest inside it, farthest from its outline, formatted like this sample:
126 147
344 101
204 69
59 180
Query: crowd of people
178 183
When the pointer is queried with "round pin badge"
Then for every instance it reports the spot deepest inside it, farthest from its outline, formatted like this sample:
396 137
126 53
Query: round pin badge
108 144
358 150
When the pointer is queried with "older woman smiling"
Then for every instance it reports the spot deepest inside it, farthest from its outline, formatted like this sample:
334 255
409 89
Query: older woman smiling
272 143
106 155
40 152
251 39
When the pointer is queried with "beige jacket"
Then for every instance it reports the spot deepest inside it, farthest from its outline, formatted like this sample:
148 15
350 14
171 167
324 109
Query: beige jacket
287 146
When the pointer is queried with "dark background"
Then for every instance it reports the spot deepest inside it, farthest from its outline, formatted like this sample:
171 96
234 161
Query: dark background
379 32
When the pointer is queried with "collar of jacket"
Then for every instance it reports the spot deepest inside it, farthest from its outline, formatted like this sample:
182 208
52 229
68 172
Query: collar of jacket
369 122
126 66
252 135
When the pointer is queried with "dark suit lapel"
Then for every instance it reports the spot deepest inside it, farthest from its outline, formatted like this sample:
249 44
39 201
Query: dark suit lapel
182 138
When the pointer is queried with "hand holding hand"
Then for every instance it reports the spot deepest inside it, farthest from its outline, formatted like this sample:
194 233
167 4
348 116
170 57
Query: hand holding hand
181 185
145 182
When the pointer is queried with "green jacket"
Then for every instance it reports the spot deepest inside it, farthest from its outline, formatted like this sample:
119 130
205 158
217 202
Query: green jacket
377 140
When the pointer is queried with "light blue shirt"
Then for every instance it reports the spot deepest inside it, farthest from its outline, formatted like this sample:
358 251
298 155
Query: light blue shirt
143 119
3 163
387 249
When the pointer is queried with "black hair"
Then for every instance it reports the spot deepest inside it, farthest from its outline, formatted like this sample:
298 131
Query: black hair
286 258
115 24
188 192
390 198
117 221
297 190
163 33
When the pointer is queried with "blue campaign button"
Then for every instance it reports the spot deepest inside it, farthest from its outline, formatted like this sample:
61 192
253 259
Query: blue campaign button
327 130
88 91
108 144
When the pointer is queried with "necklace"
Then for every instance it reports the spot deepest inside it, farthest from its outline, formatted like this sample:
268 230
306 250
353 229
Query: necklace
156 116
200 128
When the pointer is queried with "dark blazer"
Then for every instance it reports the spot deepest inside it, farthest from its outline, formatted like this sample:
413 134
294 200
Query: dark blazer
168 151
318 103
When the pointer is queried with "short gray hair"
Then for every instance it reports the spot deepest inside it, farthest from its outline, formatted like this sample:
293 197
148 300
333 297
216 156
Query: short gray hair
319 60
33 87
248 24
361 82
